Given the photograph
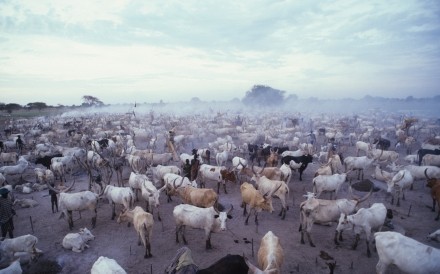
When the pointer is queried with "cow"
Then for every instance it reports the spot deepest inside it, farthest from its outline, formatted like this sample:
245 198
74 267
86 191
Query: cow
119 195
104 265
46 161
209 219
218 174
434 184
79 201
408 255
201 197
365 220
422 152
256 201
324 211
77 242
382 143
270 254
305 160
26 243
143 224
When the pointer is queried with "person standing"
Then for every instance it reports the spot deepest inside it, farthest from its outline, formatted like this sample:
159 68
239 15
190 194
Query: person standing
53 199
19 144
6 213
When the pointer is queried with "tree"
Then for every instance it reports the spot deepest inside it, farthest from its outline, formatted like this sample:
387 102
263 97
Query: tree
12 106
89 101
36 105
263 95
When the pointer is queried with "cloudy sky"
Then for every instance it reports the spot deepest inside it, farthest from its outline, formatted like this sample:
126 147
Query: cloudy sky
146 51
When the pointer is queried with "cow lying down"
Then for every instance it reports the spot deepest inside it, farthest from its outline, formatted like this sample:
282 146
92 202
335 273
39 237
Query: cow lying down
77 242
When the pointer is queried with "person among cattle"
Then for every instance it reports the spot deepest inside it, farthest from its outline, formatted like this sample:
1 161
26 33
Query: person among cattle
187 169
6 213
312 138
195 164
53 199
172 134
19 143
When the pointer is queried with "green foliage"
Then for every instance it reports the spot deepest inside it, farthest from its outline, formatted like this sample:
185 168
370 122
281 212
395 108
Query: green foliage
263 96
37 105
89 101
11 107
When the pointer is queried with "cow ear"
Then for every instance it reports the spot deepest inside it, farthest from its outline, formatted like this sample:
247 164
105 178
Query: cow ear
229 216
216 216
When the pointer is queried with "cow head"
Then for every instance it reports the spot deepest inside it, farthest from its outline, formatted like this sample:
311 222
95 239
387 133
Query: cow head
86 235
222 217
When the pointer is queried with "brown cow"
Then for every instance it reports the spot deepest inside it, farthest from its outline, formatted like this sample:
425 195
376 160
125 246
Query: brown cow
434 184
256 201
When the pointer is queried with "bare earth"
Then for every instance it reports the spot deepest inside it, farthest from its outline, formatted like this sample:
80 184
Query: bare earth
414 218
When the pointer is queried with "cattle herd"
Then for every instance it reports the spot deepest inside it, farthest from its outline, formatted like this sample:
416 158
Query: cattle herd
352 193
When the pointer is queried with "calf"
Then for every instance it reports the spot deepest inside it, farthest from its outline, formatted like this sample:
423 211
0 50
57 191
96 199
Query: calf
408 255
365 219
77 242
209 219
14 268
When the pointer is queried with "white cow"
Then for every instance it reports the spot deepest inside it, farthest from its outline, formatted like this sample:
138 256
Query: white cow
365 220
77 242
26 243
408 255
208 219
104 265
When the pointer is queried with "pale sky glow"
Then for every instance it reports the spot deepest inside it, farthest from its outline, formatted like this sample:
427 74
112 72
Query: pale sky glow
146 51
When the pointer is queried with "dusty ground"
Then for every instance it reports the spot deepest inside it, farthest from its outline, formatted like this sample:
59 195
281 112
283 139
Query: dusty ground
119 242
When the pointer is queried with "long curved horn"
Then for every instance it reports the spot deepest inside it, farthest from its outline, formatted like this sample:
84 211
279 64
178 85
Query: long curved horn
276 189
403 175
229 211
174 183
53 189
426 174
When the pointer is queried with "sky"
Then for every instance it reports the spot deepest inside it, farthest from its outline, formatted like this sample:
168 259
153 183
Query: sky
146 51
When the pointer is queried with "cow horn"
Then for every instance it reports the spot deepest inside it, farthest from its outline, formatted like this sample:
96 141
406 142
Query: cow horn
53 189
426 174
366 196
276 189
174 183
229 211
403 175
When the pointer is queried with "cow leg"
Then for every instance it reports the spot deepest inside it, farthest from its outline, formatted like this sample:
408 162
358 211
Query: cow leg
243 205
247 219
183 235
224 187
113 211
433 205
356 241
368 249
256 218
177 233
336 238
70 219
148 250
340 236
381 267
438 215
218 187
302 235
310 239
208 241
94 219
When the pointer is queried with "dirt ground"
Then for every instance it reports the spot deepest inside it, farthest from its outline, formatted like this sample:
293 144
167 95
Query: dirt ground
413 218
